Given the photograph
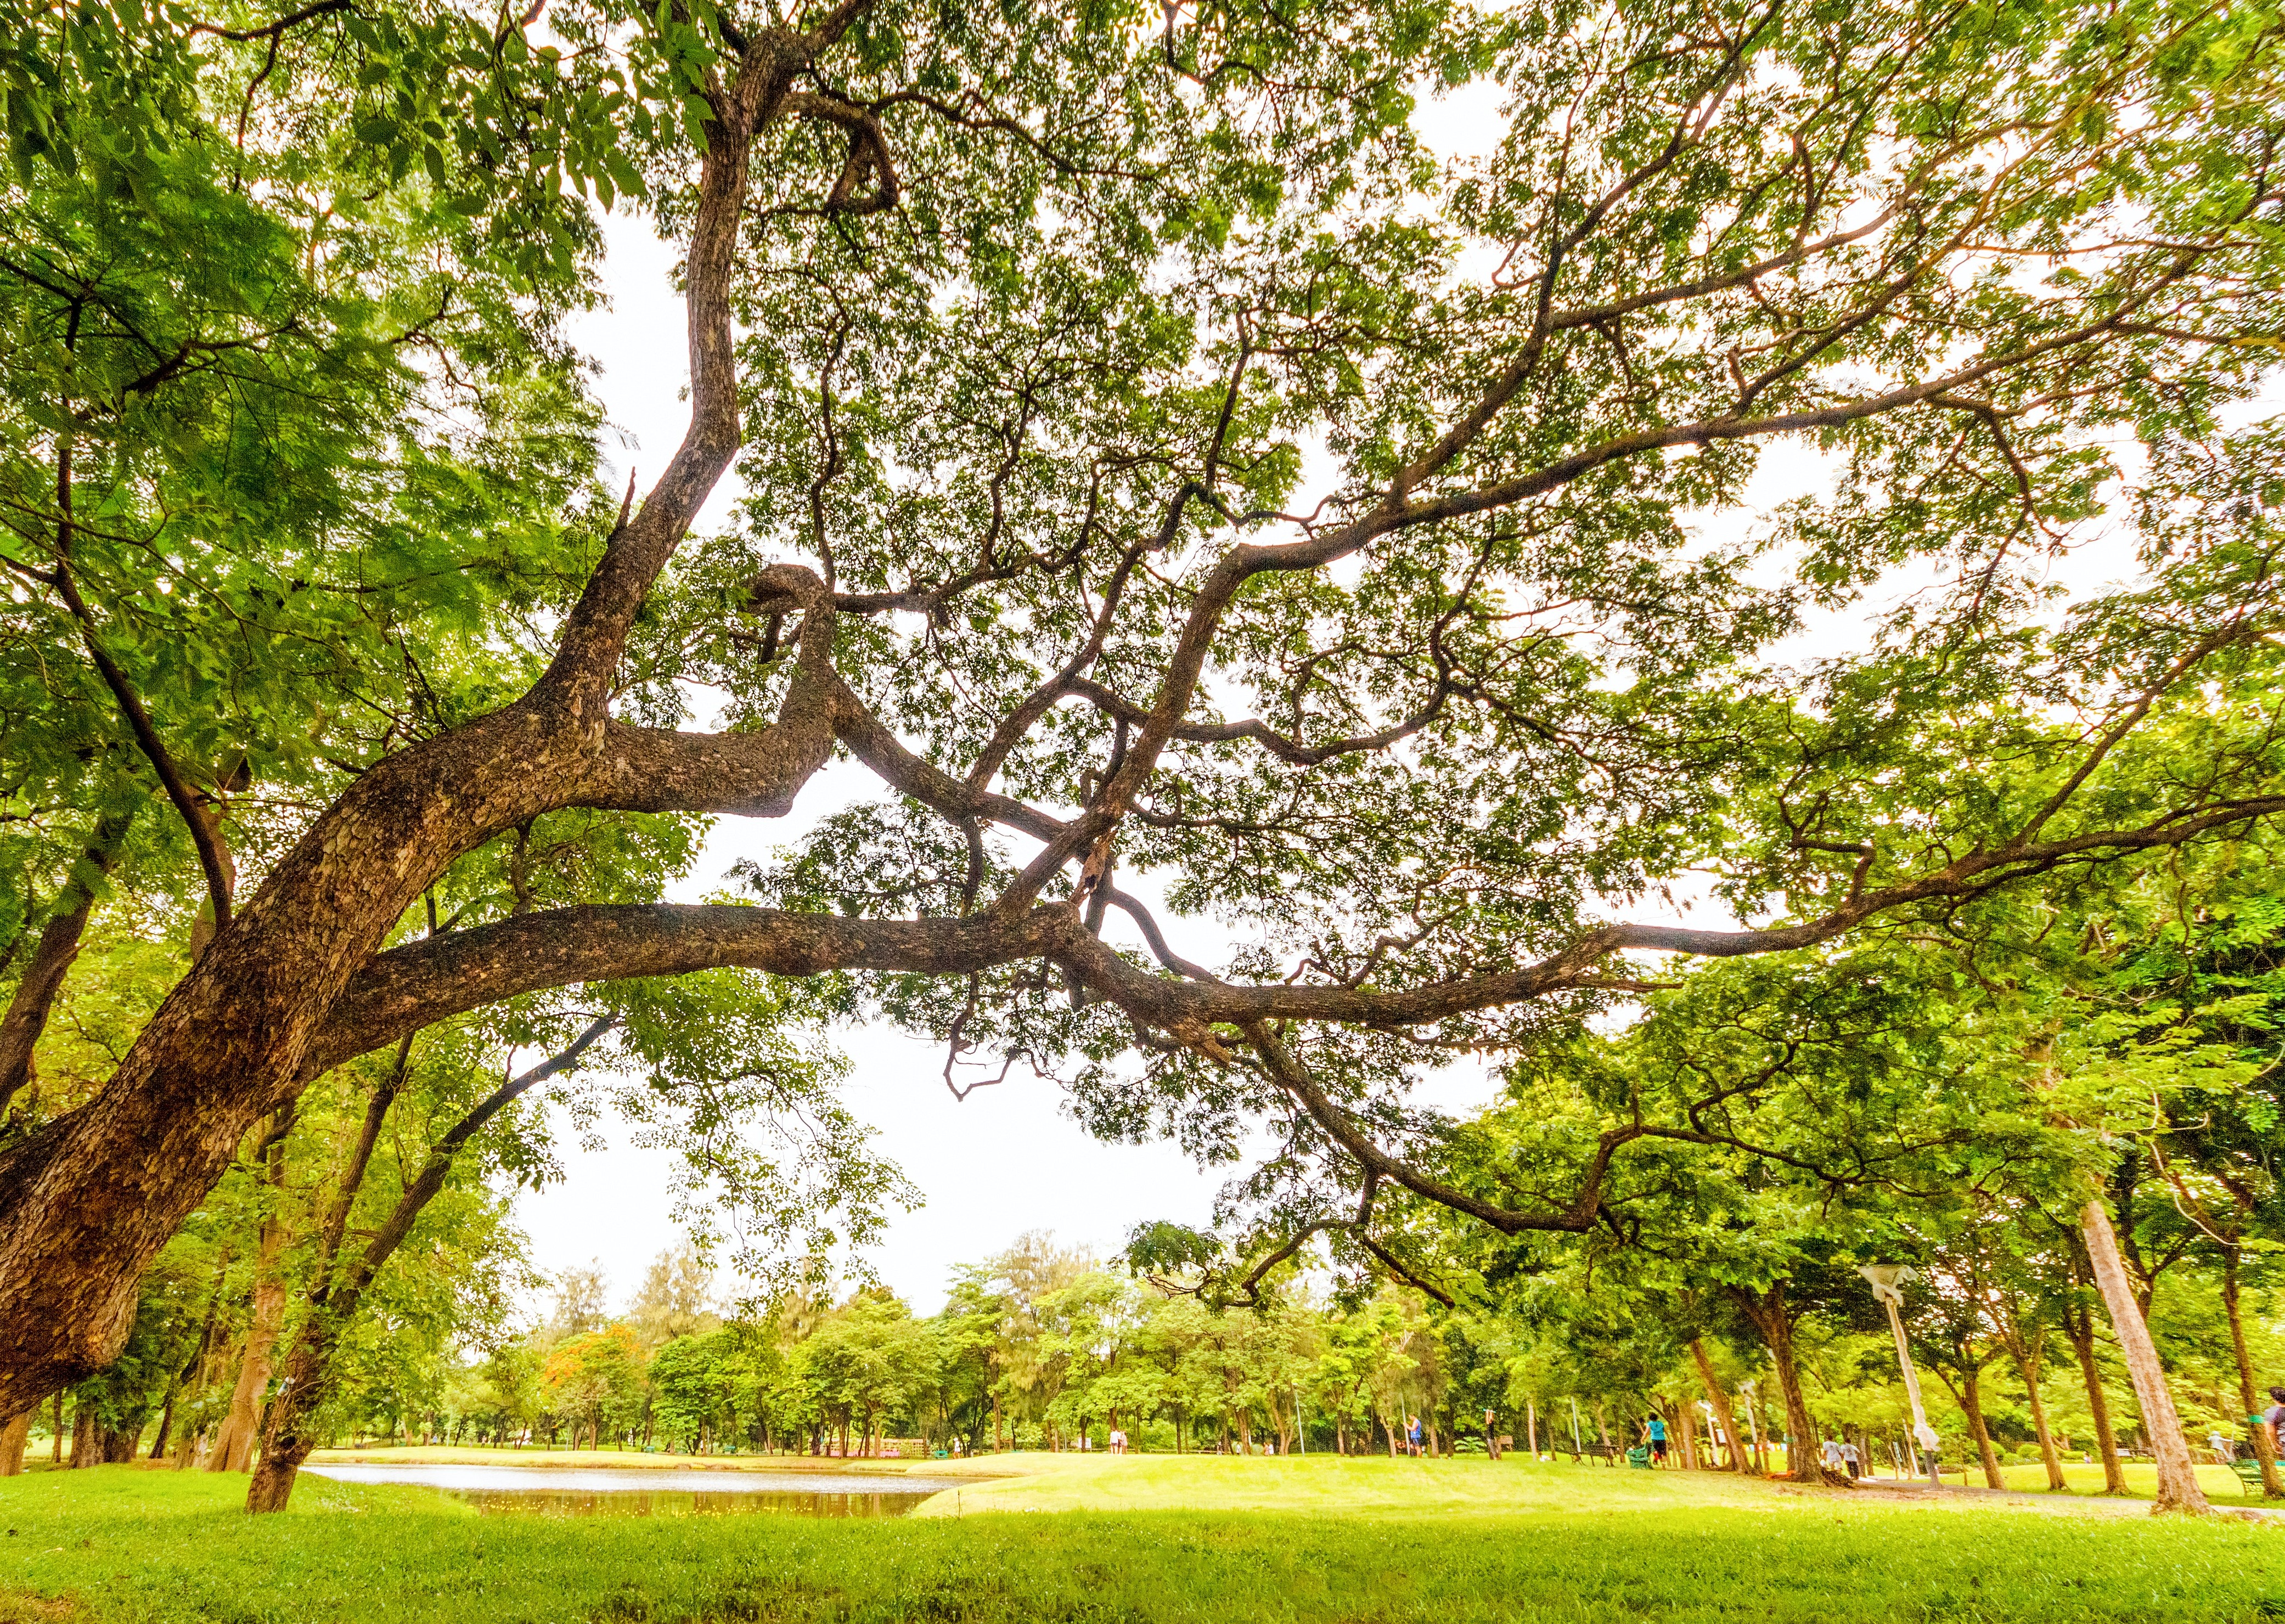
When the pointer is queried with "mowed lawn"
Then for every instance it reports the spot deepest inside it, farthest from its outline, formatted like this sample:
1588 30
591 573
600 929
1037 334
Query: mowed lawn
1195 1537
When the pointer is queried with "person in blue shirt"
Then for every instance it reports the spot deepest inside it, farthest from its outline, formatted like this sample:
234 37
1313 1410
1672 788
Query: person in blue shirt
1655 1430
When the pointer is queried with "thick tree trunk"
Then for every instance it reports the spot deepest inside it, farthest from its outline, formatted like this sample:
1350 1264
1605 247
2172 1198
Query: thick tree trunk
2264 1445
86 1447
1770 1316
89 1198
2178 1475
1720 1401
13 1437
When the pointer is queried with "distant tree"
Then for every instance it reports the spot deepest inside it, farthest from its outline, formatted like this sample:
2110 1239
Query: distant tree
595 1381
674 1300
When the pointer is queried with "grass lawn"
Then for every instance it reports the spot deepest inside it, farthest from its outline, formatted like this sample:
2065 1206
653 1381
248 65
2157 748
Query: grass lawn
1206 1539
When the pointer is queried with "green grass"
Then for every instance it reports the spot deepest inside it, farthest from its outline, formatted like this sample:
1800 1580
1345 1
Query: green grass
1451 1541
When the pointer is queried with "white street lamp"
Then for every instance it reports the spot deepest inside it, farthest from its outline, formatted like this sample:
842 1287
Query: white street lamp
1888 1281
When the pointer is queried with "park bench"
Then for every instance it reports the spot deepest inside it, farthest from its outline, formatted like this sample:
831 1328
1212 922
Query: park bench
2249 1474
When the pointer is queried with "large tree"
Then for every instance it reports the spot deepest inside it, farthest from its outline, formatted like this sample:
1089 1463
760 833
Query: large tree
1159 465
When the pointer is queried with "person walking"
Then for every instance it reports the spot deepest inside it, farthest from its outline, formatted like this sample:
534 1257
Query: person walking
2274 1418
1655 1430
1852 1459
1413 1435
1491 1436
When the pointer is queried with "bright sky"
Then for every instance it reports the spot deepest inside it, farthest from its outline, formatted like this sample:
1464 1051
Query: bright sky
1004 1161
1007 1159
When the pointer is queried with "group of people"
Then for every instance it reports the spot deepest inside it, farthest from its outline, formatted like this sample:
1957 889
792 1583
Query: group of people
2225 1447
1842 1455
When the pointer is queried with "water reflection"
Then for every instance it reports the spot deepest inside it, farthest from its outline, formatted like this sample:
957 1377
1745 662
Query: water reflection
635 1502
550 1491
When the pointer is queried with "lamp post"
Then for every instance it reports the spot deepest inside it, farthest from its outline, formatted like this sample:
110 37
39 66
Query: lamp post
1887 1280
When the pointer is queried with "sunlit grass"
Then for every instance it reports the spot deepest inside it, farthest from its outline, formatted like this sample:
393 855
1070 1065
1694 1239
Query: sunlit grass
1448 1540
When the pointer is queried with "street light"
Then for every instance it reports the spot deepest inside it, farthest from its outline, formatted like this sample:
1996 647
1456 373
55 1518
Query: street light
1888 1282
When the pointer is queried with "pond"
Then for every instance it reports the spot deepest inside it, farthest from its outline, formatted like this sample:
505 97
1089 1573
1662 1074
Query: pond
556 1491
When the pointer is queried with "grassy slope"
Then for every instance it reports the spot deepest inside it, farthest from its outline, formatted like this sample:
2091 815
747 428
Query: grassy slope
1451 1541
1104 1493
1469 1486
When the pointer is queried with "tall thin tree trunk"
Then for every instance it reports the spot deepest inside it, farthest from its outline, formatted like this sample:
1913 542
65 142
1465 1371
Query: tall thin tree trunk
333 1301
166 1424
2027 1364
59 946
241 1427
2264 1443
2178 1473
1971 1404
2078 1325
1720 1400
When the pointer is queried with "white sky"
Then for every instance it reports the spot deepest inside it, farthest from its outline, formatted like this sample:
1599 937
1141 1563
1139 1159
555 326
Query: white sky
1004 1161
1007 1159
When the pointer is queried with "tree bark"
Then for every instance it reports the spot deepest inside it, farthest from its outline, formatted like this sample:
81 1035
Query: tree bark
2028 1365
86 1447
287 1438
1720 1400
2264 1445
13 1437
88 1199
1768 1314
59 946
2079 1326
1971 1403
2177 1476
242 1426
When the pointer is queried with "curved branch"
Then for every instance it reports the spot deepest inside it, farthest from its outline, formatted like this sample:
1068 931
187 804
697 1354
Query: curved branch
424 982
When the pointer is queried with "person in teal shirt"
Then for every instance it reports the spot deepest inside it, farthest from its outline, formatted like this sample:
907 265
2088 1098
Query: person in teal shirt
1655 1430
